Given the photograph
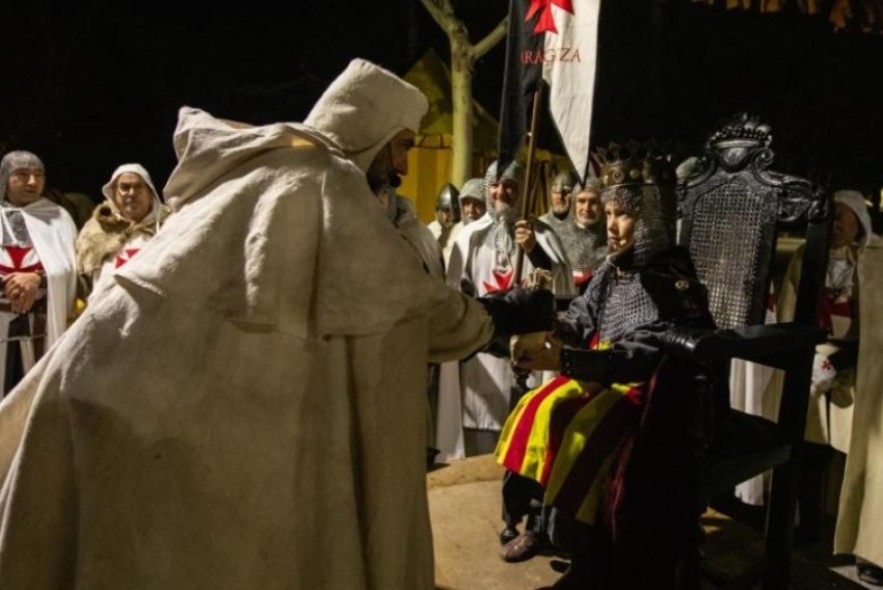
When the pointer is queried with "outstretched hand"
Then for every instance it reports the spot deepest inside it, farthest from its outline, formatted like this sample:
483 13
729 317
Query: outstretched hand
540 351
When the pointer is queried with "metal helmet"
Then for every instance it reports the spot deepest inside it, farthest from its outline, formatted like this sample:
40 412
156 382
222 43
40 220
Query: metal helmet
564 181
448 198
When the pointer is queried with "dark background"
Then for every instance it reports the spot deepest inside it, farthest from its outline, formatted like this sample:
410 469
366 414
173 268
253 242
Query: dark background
91 85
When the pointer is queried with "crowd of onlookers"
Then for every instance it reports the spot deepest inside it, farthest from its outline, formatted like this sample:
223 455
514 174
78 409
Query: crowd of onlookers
58 256
58 251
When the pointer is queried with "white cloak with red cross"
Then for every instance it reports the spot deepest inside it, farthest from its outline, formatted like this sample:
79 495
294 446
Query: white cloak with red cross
52 233
475 394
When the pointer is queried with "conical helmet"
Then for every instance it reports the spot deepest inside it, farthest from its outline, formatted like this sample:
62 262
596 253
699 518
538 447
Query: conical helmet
448 199
564 181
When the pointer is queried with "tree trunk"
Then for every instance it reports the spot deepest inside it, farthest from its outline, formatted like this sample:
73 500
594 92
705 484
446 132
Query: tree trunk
462 58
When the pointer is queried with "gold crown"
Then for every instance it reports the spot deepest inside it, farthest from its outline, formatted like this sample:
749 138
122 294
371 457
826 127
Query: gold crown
635 163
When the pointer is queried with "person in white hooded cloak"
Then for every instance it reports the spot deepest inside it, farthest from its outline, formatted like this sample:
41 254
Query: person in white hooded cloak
130 216
238 410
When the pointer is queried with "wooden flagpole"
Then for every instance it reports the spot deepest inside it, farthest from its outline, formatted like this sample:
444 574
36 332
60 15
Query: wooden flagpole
525 193
519 388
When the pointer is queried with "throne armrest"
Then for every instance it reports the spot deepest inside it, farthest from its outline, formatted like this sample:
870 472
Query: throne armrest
768 344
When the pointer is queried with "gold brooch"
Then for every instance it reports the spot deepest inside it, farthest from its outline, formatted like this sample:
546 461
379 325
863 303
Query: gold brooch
682 284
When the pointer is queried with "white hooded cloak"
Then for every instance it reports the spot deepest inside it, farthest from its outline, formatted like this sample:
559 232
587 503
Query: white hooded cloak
239 409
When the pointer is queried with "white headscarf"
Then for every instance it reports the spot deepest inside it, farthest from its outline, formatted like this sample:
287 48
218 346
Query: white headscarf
364 108
156 210
107 189
856 202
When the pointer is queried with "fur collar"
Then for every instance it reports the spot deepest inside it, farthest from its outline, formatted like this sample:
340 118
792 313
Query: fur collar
106 232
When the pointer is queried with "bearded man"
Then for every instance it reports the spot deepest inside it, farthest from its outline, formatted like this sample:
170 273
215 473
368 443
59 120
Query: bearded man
238 410
474 398
560 201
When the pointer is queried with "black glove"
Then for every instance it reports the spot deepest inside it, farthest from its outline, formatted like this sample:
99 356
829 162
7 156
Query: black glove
520 311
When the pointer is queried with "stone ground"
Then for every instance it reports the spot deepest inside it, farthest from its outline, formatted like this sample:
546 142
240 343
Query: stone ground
464 500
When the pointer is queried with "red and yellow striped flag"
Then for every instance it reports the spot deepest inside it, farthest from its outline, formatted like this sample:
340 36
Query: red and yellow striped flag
565 435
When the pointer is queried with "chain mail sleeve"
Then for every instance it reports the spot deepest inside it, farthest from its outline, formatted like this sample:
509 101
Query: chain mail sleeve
635 318
633 357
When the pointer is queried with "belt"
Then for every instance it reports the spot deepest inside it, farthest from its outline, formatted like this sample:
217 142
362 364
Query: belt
38 307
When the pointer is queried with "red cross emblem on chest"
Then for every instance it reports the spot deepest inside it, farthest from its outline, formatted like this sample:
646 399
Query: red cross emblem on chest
503 281
124 256
19 259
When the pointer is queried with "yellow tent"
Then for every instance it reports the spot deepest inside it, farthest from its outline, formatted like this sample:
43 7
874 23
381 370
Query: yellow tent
429 163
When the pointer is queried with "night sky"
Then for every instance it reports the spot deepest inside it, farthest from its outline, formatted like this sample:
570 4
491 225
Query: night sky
92 85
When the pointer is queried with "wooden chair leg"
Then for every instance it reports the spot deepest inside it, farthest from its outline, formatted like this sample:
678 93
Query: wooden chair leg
780 526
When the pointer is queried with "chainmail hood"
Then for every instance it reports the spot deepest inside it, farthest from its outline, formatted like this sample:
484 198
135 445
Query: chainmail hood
651 231
472 189
14 160
500 235
514 173
586 247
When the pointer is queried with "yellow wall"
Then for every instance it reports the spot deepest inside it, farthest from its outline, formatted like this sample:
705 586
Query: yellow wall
429 168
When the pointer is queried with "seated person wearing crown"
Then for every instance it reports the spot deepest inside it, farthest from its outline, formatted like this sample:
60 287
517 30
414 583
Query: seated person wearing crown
621 484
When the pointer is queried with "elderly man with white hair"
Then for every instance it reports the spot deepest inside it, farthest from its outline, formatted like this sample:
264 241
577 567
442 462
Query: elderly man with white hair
129 217
238 409
474 398
36 266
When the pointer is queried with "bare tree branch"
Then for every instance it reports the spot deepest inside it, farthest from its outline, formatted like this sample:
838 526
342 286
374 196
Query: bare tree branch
442 12
491 39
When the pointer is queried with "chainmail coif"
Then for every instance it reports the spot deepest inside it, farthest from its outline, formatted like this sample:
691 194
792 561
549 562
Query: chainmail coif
13 231
616 290
500 236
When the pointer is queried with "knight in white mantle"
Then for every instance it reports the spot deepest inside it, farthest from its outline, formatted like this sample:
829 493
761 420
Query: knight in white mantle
474 396
37 266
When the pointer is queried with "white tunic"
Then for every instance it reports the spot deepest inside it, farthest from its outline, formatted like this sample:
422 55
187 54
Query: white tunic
53 233
475 394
